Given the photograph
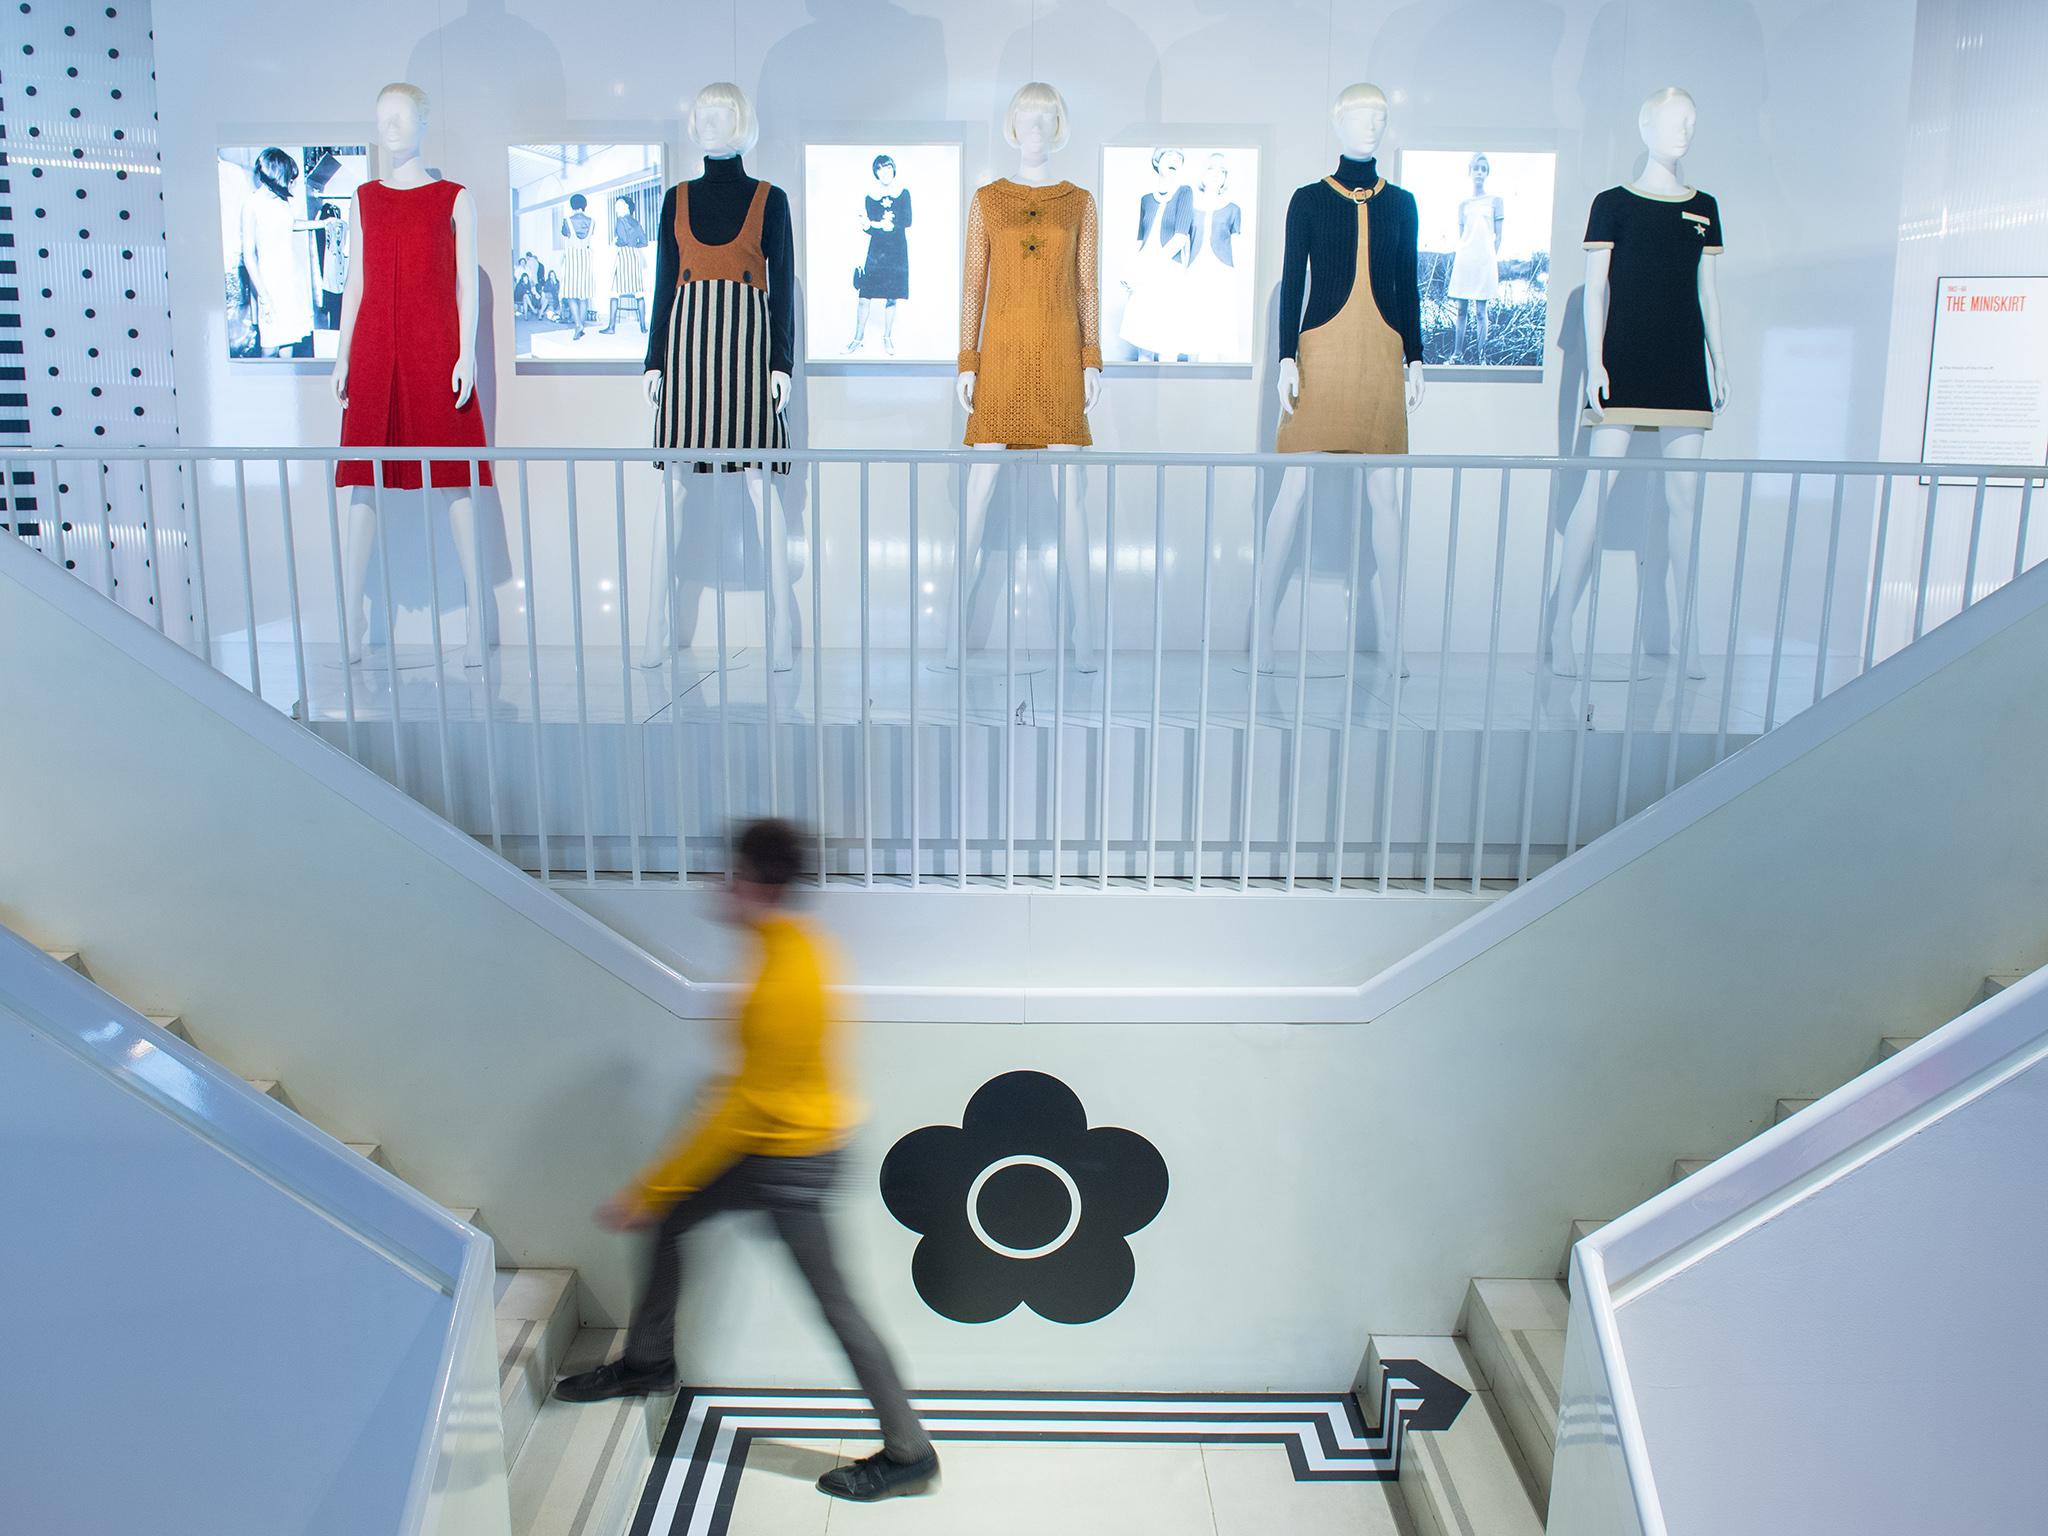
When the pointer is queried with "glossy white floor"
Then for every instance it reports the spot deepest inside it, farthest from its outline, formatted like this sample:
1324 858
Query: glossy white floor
1075 1490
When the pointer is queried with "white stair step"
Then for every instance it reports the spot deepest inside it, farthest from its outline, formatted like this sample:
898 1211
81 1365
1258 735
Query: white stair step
1582 1229
374 1151
1465 1480
1515 1329
1994 984
70 957
1686 1167
270 1088
536 1316
583 1465
1891 1045
170 1024
1787 1108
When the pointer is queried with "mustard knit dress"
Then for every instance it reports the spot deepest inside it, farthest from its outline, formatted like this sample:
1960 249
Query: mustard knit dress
1029 314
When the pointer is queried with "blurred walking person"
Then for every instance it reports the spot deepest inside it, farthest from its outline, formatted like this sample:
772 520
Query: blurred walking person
769 1140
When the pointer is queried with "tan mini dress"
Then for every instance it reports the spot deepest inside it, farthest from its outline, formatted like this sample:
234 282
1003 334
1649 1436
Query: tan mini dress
1354 386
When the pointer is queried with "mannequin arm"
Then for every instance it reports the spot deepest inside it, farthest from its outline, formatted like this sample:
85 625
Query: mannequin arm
1710 313
1087 260
1597 264
463 381
667 258
351 301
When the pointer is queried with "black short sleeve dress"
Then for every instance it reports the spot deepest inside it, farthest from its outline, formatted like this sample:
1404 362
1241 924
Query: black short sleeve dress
1655 345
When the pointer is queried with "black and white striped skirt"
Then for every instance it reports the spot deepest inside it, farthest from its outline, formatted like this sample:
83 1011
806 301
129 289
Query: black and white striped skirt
715 390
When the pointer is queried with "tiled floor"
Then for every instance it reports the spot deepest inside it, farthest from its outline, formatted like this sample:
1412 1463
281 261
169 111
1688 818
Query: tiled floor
1066 1490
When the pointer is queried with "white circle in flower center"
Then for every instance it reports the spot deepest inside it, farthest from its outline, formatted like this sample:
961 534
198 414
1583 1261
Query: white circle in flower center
1073 1207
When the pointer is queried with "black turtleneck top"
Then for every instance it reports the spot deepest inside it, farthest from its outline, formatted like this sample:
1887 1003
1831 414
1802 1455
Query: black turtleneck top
1322 239
718 207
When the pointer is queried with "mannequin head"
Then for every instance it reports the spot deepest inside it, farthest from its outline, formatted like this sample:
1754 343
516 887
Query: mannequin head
1360 116
401 121
1036 124
1479 169
722 121
1666 123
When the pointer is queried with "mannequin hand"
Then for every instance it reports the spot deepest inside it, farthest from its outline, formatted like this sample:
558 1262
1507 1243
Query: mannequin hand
1289 385
1091 387
1414 388
463 379
341 380
1596 390
650 381
1719 383
964 388
778 389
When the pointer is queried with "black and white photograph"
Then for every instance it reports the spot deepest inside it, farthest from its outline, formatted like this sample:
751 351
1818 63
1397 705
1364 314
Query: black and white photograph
284 234
1179 251
584 235
1483 253
881 233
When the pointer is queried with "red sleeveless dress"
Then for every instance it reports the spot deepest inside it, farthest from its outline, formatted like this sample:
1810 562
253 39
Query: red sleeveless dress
403 349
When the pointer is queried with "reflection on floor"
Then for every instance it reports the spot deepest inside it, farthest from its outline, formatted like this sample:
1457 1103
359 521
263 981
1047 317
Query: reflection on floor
1454 692
745 1464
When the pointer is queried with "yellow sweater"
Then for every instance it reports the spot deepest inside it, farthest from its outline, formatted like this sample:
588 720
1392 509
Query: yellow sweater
785 1099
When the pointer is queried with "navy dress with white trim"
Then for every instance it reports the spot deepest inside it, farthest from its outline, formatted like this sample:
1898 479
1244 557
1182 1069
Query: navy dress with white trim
1655 344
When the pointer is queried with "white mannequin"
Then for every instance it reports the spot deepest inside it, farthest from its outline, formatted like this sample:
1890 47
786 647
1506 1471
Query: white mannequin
722 125
1360 114
1036 127
1666 122
401 126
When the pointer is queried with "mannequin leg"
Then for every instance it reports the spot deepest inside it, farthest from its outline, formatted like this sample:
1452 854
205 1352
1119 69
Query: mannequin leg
482 631
1279 543
1680 493
1383 496
981 485
1581 548
668 627
1074 562
768 518
362 534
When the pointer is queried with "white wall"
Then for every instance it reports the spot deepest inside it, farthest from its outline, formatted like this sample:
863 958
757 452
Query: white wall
1807 280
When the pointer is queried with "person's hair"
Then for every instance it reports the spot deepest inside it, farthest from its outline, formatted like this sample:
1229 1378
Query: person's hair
723 93
880 161
1037 96
1478 159
769 852
327 211
1352 97
276 170
411 93
578 202
1159 157
1221 165
622 198
1663 98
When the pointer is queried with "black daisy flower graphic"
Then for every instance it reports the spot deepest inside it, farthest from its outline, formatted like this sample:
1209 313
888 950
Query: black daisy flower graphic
1022 1204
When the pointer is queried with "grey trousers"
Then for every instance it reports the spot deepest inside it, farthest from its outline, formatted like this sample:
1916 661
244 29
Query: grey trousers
793 1191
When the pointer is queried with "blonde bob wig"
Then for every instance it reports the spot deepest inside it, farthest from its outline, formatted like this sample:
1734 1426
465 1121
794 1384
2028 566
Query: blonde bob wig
746 127
1037 97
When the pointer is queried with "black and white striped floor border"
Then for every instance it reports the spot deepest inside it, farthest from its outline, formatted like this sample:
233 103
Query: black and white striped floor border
696 1476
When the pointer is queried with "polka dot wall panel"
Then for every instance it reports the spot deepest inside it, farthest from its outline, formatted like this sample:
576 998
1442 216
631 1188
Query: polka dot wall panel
85 334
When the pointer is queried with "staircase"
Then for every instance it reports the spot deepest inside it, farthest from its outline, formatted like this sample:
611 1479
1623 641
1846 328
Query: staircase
574 1469
1490 1476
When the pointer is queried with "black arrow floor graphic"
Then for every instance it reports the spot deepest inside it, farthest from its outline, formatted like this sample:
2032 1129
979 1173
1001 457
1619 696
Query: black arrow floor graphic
696 1475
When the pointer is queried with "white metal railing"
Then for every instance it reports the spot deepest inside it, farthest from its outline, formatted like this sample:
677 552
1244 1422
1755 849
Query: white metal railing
1434 744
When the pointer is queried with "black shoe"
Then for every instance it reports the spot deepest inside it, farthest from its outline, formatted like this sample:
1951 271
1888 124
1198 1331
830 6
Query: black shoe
616 1379
879 1476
